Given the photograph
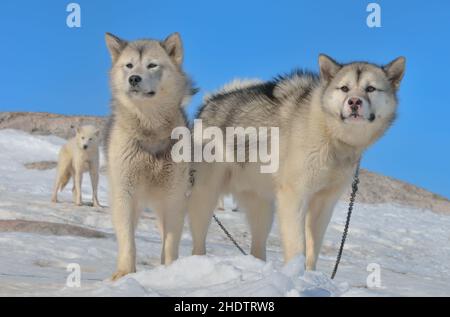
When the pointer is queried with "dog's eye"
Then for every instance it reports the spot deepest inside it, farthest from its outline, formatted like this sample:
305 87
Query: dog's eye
345 89
90 139
129 65
370 89
151 65
82 138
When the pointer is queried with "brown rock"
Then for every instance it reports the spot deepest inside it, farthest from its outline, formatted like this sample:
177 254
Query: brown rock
48 228
41 165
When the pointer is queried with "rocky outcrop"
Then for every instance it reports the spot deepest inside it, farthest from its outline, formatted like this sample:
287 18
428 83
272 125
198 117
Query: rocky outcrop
377 189
48 228
41 165
47 123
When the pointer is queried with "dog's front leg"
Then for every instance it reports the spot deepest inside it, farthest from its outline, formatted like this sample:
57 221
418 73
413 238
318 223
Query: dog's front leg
124 220
93 172
319 213
78 178
291 216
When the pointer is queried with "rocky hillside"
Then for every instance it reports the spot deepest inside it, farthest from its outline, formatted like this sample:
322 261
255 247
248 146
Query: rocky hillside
374 188
47 123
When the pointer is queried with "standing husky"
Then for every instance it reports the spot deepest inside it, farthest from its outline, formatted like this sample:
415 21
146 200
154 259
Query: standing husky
76 157
149 89
325 123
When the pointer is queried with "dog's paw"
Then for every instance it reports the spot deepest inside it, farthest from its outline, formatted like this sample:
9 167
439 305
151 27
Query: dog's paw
119 274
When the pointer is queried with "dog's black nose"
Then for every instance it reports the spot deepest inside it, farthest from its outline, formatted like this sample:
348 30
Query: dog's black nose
354 108
85 147
134 80
355 101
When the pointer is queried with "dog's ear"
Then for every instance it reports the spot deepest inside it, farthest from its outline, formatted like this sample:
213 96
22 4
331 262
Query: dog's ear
97 132
115 45
78 130
395 71
328 67
174 47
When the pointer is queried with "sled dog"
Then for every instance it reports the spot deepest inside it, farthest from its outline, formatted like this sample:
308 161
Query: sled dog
78 156
325 121
149 89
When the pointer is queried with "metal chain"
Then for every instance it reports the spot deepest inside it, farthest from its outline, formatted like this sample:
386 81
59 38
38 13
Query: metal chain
229 235
349 214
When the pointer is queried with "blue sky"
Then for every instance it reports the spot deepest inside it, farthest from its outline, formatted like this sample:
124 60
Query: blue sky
50 67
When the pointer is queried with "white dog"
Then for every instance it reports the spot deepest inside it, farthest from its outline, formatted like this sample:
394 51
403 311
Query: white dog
149 89
76 157
325 123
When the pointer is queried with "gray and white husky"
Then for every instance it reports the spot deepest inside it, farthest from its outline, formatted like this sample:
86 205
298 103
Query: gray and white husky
325 124
149 89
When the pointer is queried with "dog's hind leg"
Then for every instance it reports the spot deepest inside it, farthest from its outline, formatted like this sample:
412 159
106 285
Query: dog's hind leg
74 191
291 219
55 189
201 206
259 213
57 185
172 220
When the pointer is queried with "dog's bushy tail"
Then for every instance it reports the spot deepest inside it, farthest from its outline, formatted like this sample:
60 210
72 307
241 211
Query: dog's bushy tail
65 177
64 168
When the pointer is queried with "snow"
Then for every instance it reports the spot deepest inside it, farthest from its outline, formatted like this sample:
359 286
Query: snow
410 246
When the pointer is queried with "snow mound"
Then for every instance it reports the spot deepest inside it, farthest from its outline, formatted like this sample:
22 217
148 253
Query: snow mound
210 276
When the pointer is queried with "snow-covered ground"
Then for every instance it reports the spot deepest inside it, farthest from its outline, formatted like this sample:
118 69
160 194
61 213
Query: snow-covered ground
411 247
